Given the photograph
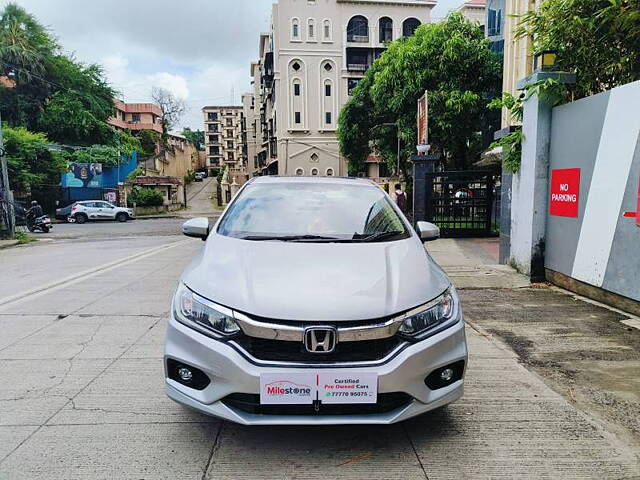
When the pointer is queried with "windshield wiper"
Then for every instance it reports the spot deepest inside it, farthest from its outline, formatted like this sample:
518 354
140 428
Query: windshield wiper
378 237
291 238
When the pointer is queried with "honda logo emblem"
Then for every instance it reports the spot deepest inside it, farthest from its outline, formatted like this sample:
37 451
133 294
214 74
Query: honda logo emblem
320 339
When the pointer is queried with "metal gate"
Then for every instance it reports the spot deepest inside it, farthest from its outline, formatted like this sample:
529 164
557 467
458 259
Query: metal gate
461 203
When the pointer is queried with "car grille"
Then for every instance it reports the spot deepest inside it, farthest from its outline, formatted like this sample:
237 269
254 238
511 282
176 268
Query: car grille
282 351
250 403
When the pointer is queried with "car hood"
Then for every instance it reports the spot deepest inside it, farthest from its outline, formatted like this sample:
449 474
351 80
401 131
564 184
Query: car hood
315 281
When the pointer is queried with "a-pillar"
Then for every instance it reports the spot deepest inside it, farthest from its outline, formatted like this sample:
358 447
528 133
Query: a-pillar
530 185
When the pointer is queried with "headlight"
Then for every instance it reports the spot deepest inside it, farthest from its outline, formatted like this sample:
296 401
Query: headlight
199 313
441 310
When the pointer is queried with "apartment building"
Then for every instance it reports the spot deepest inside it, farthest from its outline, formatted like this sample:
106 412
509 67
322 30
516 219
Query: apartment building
309 63
474 10
223 137
518 60
136 116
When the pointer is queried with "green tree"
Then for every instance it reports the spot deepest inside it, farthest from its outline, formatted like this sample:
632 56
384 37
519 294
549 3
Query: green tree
148 141
194 136
25 52
597 39
452 61
82 102
30 160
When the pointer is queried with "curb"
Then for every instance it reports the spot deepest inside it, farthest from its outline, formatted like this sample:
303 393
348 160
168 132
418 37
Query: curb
8 243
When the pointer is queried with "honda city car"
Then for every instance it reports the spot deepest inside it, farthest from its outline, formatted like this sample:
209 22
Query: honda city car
314 301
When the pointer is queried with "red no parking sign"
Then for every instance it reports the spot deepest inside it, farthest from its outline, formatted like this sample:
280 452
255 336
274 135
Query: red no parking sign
565 192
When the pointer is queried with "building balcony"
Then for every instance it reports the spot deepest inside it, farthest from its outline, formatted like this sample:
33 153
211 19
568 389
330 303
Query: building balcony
357 38
357 67
124 125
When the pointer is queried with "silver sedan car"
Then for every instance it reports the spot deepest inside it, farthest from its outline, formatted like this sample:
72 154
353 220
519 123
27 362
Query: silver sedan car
314 301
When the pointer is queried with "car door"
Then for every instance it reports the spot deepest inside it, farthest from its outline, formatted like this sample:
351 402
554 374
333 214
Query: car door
91 209
106 211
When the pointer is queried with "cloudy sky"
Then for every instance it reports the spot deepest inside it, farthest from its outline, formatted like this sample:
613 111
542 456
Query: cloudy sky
198 49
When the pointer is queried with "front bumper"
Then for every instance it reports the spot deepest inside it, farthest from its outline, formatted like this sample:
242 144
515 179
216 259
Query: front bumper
230 372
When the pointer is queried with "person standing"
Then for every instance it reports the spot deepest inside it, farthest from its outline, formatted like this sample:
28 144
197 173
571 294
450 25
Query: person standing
401 198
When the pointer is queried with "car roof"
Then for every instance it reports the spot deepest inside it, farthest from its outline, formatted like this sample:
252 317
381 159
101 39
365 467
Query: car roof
275 179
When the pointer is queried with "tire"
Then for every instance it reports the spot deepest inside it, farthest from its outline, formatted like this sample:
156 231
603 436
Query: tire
30 228
81 218
122 217
45 229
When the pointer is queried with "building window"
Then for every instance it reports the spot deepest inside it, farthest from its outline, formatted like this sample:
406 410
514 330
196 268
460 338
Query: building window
295 29
327 118
213 138
385 26
311 29
296 66
213 127
229 122
327 90
296 89
326 30
329 172
214 150
409 26
314 158
230 133
299 172
314 172
297 118
230 144
358 29
135 117
230 156
212 116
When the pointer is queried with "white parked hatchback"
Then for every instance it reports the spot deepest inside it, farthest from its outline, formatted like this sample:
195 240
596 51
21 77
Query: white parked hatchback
314 301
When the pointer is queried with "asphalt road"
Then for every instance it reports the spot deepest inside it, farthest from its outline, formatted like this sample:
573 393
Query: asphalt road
81 391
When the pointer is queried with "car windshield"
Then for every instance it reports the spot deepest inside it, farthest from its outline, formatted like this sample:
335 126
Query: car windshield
292 211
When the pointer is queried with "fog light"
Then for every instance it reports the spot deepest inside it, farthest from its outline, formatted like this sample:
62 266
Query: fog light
186 375
446 375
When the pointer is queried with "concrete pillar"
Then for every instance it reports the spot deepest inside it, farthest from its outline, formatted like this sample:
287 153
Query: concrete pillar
422 165
530 185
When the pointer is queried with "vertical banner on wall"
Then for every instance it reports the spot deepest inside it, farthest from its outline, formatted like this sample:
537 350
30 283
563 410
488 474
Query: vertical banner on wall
423 120
565 192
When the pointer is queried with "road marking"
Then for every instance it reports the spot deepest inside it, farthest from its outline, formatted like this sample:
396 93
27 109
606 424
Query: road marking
77 277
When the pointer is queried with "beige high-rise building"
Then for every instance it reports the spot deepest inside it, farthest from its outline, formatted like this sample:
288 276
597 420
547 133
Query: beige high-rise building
474 10
315 54
223 138
518 61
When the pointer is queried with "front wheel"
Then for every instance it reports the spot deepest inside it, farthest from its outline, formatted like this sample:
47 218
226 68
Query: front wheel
45 229
122 217
30 228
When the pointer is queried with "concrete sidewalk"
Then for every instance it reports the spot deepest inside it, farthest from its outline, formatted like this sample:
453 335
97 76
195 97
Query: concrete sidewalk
473 263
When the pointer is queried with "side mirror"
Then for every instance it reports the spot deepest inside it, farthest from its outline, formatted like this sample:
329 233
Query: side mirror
196 227
428 231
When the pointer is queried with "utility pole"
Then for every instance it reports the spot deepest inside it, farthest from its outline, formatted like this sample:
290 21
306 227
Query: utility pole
286 156
7 198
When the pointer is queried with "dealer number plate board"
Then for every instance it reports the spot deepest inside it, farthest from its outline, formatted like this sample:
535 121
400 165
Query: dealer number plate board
327 386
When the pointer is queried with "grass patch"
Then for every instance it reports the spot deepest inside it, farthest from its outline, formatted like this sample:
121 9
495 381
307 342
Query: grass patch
23 238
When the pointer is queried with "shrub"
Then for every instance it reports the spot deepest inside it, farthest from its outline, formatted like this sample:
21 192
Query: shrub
145 197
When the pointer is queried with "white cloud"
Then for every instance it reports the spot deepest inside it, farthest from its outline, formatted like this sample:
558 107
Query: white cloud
176 84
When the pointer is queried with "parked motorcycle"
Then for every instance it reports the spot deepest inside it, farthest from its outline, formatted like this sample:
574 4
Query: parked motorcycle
42 223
